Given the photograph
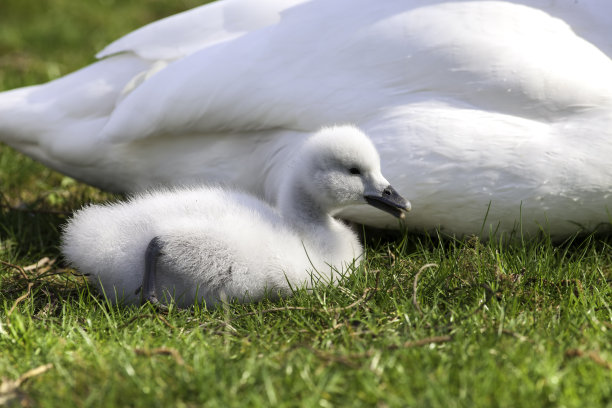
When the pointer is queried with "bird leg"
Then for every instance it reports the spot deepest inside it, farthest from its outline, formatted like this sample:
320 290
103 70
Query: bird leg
149 290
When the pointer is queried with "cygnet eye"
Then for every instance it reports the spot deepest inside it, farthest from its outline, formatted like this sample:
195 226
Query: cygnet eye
354 170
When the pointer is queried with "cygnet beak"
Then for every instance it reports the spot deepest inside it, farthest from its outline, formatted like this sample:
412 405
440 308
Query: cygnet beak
389 201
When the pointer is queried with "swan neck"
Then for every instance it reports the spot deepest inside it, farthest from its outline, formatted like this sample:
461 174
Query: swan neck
299 207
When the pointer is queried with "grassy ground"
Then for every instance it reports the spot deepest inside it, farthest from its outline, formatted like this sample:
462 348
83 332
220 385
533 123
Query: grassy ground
528 324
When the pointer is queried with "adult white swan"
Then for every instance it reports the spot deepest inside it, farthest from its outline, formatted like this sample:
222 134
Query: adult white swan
474 106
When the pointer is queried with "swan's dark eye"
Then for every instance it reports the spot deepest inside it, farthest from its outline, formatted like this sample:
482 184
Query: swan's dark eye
354 170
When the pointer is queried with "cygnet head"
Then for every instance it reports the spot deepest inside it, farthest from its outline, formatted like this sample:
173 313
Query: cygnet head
339 166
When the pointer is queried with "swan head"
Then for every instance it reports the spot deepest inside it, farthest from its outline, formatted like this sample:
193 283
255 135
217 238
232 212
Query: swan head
340 166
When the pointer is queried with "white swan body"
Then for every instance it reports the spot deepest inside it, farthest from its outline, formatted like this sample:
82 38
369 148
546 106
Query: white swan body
476 107
216 243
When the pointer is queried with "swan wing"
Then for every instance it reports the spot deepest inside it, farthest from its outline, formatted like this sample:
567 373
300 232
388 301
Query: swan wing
589 19
60 123
319 65
184 33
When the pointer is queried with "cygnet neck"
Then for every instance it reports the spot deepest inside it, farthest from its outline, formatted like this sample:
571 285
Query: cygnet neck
298 206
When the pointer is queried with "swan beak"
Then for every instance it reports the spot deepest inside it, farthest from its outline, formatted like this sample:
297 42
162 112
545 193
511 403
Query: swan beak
389 201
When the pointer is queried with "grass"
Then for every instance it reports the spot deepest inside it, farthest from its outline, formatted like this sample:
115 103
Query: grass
526 324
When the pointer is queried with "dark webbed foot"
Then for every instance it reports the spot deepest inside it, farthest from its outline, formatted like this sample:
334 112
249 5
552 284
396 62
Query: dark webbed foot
149 289
156 303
